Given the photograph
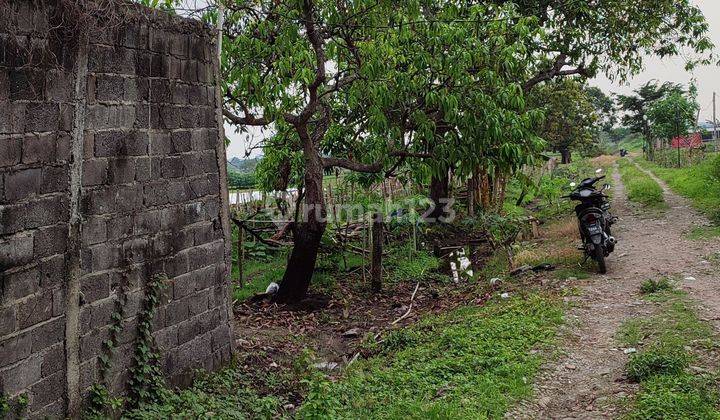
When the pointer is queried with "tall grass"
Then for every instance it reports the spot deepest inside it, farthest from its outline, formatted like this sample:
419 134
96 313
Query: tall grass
641 188
700 183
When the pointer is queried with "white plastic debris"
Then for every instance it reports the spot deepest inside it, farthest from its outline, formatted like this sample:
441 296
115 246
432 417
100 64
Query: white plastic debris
689 278
630 350
495 281
326 365
352 332
505 295
272 288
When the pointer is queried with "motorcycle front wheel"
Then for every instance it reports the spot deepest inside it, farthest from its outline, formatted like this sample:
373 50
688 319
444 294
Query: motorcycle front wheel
600 258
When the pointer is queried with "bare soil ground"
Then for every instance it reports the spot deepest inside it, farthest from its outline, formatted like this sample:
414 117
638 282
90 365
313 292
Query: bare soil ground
588 381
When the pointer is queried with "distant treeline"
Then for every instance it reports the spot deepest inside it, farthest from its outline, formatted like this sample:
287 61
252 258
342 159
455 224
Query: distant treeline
238 180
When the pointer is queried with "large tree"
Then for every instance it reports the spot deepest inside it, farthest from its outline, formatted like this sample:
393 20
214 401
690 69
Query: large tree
585 37
366 85
637 106
570 116
673 115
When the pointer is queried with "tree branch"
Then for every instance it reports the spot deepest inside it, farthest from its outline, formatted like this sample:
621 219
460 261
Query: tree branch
555 71
249 119
373 168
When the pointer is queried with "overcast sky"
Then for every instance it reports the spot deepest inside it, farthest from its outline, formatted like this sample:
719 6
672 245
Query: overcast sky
673 70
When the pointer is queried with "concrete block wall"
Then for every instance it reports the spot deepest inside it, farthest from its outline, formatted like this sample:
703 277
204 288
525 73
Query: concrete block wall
111 172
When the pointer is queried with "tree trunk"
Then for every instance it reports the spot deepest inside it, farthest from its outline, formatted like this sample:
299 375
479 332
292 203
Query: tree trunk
566 157
485 189
439 188
307 232
471 196
376 253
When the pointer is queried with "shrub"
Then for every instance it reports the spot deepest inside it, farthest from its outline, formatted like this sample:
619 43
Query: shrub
657 360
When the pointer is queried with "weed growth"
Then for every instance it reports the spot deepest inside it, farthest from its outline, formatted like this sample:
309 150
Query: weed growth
669 342
470 363
654 286
641 187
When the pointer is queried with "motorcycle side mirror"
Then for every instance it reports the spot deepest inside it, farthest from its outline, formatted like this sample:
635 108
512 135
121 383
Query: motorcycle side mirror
599 171
572 184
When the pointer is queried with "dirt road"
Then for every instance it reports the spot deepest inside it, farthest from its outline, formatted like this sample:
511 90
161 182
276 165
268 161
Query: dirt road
587 381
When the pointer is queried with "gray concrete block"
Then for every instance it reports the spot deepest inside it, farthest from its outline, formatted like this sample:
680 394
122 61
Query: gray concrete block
35 309
95 172
39 148
16 251
172 167
42 117
95 287
53 359
8 320
46 391
22 183
109 88
10 149
50 240
55 179
48 334
18 377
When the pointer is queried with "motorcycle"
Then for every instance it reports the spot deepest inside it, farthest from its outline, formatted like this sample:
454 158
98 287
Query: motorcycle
594 220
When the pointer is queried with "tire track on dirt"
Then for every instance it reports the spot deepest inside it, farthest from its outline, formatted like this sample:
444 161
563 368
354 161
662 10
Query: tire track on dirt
587 382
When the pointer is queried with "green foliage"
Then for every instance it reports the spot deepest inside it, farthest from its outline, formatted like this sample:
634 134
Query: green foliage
704 232
669 341
471 363
257 251
14 409
146 379
641 188
695 182
101 404
4 405
673 115
653 286
657 360
228 394
240 181
406 264
570 116
679 396
637 106
167 5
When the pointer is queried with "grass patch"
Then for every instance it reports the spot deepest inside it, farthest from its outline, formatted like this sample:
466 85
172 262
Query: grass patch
668 343
702 233
406 264
657 360
653 286
700 183
641 188
471 363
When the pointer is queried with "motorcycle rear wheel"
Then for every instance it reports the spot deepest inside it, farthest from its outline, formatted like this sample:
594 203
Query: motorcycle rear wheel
600 258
